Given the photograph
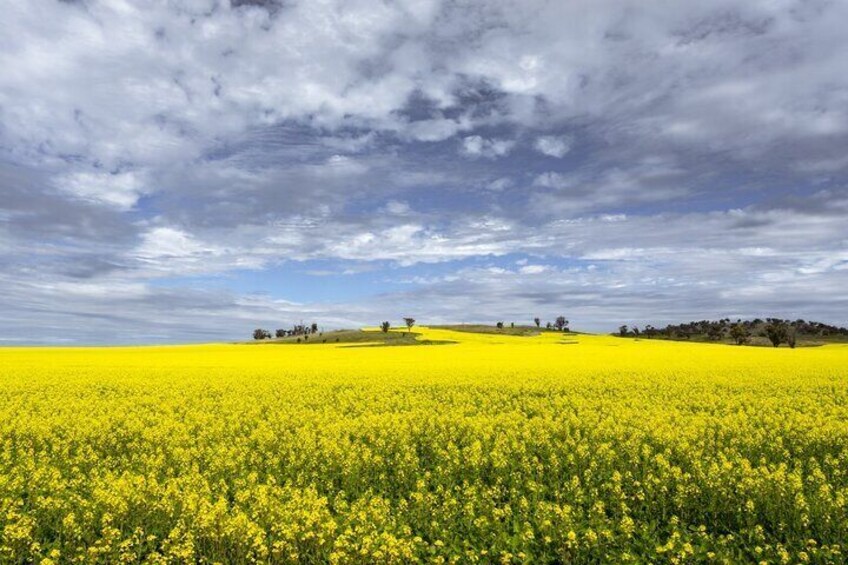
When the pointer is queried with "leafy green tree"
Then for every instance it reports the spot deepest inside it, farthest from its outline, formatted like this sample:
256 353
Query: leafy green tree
409 323
561 323
777 332
740 334
538 322
715 332
385 327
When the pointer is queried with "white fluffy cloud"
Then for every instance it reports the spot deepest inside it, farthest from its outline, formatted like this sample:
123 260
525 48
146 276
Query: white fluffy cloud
477 146
675 148
553 146
121 190
117 82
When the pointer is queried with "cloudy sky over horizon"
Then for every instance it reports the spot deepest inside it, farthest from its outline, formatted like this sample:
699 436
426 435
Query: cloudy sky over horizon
187 170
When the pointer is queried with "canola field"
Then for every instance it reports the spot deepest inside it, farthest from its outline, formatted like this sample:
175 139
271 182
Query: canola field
497 449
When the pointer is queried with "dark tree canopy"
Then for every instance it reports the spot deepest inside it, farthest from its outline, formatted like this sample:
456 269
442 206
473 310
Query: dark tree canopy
259 333
777 332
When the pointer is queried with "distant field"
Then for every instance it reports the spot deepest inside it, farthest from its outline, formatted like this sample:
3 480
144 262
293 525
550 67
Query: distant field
494 449
483 329
396 336
358 337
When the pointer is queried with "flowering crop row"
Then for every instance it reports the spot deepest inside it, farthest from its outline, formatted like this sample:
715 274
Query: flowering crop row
496 449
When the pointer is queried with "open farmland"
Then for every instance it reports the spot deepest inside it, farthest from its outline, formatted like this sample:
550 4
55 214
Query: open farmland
498 448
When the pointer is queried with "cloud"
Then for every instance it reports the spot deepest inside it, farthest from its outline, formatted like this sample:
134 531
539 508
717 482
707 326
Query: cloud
396 208
120 190
534 269
168 81
477 146
632 270
553 146
434 130
141 145
500 184
168 251
611 188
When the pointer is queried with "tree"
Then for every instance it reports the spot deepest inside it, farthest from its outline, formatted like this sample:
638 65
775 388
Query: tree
538 322
776 331
714 333
740 334
791 337
314 328
409 323
259 333
499 325
561 323
622 330
280 333
385 327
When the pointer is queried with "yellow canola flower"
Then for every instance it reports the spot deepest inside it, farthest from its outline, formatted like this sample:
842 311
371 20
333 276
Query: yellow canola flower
549 448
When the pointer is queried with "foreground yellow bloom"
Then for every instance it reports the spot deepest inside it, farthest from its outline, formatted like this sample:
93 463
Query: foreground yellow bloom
538 449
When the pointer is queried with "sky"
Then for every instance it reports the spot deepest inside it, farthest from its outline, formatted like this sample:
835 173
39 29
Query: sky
189 170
